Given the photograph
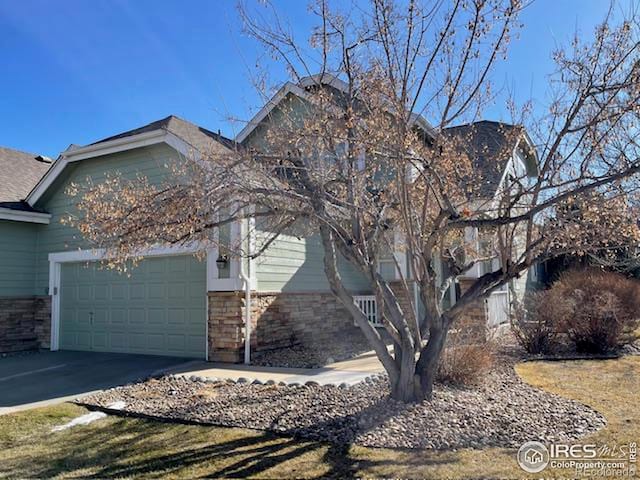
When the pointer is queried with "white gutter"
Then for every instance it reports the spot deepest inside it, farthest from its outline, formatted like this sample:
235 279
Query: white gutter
22 216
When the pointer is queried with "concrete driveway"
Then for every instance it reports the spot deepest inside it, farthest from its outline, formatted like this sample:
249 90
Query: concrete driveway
43 378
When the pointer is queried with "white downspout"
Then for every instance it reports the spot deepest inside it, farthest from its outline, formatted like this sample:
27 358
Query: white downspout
246 278
247 314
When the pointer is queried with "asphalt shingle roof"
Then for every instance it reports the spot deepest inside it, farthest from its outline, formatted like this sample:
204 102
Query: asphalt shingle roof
489 145
201 139
19 172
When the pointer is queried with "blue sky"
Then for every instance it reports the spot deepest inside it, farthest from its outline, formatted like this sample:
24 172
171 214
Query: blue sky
75 71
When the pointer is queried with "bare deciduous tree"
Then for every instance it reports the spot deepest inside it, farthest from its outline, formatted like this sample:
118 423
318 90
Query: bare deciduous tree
353 159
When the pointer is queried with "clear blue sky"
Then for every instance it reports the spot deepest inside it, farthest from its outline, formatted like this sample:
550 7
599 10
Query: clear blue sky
75 71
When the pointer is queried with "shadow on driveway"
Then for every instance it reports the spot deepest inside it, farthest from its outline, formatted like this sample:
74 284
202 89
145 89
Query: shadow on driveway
38 377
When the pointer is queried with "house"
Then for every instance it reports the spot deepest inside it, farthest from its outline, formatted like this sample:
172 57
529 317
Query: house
53 293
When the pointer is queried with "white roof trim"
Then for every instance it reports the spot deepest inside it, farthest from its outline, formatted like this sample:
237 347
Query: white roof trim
101 253
268 108
105 148
305 82
20 216
324 79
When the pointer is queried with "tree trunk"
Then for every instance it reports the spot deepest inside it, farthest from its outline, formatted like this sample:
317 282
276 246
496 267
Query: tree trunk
403 386
414 382
427 364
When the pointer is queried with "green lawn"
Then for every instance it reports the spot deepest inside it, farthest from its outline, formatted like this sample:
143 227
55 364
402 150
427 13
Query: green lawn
124 447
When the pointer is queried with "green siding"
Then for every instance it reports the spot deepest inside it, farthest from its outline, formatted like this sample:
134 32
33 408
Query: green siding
17 258
55 237
296 265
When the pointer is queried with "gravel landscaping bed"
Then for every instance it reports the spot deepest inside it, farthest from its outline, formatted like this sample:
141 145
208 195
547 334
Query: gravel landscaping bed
504 411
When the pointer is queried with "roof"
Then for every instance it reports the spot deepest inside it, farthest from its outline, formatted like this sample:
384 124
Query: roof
199 138
301 89
490 146
182 135
19 173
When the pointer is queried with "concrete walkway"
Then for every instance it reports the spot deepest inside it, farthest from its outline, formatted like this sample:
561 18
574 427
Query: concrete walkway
349 372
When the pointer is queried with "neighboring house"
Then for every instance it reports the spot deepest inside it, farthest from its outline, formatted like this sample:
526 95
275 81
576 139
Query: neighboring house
53 293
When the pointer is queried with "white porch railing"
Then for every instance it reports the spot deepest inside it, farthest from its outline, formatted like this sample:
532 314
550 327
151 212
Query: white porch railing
498 308
367 305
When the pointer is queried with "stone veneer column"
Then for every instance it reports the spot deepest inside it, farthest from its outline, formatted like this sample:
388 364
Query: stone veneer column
42 320
226 321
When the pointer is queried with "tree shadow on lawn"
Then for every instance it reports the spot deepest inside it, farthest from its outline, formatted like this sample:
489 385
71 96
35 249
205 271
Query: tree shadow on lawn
131 448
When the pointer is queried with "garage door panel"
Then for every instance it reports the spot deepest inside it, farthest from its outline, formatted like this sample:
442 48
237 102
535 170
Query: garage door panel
85 293
195 342
175 342
137 291
118 316
83 318
176 316
118 292
177 290
100 316
157 316
155 268
155 291
101 291
158 309
99 340
83 340
138 341
118 341
177 265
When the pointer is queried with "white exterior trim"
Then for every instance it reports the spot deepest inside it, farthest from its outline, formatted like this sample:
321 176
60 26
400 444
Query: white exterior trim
19 216
268 108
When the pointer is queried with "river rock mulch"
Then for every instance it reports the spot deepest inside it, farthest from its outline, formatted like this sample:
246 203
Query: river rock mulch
503 411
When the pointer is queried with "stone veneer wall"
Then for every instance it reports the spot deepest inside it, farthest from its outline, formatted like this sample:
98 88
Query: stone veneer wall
285 319
406 299
25 323
279 319
472 325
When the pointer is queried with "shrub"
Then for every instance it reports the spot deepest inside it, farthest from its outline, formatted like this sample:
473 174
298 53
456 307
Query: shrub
465 364
605 308
535 321
468 354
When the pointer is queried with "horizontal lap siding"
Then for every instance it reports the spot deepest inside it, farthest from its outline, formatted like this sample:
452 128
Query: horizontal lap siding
296 265
55 237
17 258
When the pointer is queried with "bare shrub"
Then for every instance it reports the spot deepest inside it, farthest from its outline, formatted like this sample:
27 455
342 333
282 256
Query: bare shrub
465 365
535 321
466 359
605 309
